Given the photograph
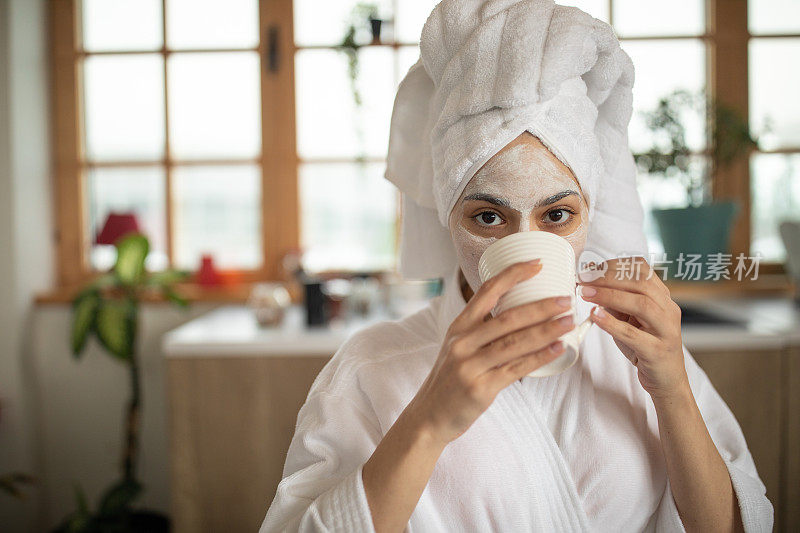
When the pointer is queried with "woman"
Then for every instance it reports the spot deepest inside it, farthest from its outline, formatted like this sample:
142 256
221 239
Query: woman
515 119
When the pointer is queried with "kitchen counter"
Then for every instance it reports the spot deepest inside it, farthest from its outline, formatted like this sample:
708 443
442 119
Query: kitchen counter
233 330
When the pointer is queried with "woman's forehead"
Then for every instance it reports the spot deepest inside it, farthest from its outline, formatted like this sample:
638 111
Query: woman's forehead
525 168
520 179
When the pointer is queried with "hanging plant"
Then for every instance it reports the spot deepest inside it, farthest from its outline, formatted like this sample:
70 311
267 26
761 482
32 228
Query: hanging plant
359 21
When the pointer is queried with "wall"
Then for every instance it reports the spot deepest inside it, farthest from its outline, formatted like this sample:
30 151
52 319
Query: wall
25 230
81 408
61 419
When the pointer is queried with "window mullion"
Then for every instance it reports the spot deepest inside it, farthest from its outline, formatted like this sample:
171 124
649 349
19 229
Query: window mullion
70 209
729 84
167 156
280 209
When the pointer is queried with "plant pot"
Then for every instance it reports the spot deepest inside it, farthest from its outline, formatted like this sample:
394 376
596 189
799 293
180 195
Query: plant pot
703 230
375 25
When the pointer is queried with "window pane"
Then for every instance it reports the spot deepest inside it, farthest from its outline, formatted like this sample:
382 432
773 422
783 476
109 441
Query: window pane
774 79
139 190
217 210
121 25
775 196
324 22
656 17
348 216
596 8
124 101
204 24
410 17
406 57
773 16
214 105
661 67
328 122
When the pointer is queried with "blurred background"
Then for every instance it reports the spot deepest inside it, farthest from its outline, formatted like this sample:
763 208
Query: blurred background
193 217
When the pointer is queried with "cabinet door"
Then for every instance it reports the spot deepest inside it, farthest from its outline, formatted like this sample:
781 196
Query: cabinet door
232 419
752 383
791 499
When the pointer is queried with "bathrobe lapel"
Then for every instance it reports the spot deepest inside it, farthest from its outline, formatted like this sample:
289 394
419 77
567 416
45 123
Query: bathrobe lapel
515 423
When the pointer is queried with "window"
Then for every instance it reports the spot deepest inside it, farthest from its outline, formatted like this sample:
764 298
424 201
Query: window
231 128
668 44
342 146
774 49
153 145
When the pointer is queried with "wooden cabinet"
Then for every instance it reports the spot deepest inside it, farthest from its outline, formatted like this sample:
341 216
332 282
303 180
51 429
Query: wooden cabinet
231 420
762 389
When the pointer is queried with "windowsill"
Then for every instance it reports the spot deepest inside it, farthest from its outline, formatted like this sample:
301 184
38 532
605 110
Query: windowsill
765 285
192 292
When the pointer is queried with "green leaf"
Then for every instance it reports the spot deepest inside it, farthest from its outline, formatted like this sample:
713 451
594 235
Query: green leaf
84 311
175 297
115 325
131 253
10 483
167 277
118 498
104 281
80 499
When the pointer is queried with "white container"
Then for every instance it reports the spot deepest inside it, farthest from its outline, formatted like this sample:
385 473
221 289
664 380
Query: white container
556 278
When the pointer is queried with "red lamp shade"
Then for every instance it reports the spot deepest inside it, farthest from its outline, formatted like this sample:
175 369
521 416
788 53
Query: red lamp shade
117 225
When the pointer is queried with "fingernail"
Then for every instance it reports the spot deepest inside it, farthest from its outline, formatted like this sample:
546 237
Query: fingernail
535 261
587 291
556 347
599 312
565 320
563 301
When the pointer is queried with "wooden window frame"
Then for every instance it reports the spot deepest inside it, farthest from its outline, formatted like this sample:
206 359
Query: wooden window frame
278 159
726 35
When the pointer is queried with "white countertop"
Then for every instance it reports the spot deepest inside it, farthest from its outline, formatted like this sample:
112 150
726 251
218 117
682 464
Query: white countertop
232 331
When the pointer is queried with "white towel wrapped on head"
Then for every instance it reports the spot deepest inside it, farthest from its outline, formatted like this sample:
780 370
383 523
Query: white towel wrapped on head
489 71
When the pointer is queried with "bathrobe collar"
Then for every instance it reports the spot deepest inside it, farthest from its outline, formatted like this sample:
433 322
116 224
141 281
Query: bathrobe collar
451 304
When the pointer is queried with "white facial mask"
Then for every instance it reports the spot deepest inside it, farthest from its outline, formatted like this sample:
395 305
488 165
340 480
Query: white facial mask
522 175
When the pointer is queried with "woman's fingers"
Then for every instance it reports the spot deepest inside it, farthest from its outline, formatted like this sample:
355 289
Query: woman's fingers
492 289
516 318
515 369
634 276
646 311
625 332
519 343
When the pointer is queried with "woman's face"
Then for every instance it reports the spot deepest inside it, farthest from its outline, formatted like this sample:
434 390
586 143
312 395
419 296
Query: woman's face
523 187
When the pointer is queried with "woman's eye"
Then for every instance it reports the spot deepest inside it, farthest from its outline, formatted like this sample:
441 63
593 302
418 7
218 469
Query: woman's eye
487 218
559 216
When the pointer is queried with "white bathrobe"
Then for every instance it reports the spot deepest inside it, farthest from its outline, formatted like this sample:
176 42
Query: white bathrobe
578 451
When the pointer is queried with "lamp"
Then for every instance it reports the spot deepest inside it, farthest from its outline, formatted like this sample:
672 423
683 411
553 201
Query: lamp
117 226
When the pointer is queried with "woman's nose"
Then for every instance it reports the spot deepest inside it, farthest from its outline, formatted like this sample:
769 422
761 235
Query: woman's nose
526 224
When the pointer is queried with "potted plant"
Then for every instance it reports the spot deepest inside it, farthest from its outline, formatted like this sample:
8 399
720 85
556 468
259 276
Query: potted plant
703 226
108 309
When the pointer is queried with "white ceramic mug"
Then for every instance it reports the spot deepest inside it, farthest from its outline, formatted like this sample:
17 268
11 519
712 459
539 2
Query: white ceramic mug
556 278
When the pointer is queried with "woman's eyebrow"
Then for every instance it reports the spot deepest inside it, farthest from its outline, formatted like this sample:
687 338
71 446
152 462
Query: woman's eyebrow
504 203
556 197
487 198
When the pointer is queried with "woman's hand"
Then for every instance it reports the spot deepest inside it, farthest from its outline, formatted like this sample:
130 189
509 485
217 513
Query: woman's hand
644 322
481 355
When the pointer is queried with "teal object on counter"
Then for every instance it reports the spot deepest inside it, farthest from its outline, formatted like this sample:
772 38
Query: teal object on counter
704 230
